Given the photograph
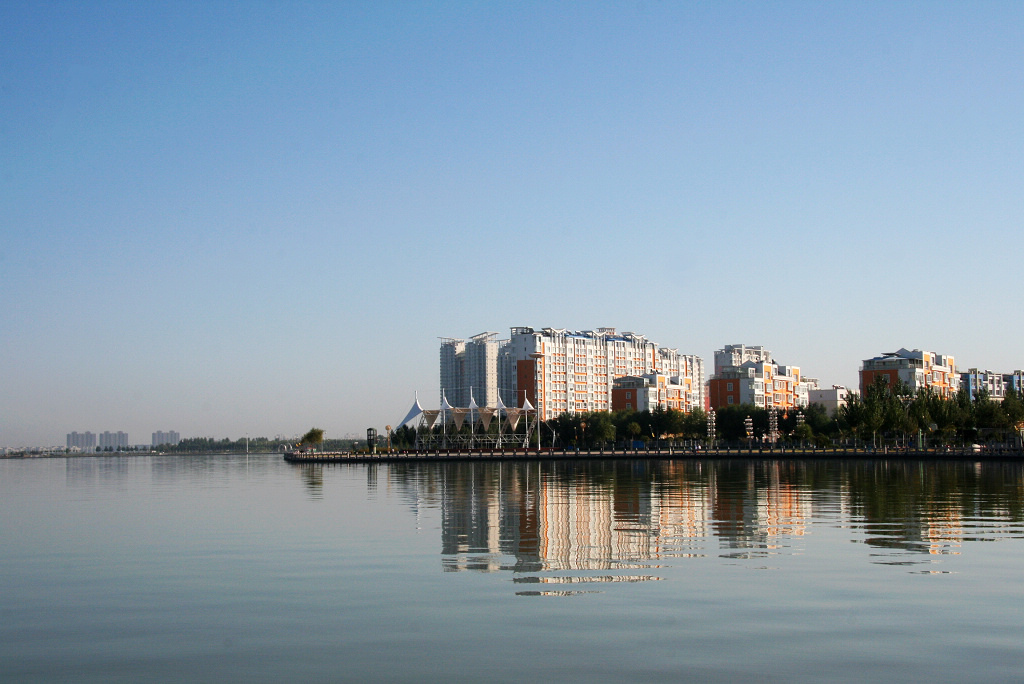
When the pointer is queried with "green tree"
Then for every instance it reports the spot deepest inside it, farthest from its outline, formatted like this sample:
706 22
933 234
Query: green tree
314 436
600 427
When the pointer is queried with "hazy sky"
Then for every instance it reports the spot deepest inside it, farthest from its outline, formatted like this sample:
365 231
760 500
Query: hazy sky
231 218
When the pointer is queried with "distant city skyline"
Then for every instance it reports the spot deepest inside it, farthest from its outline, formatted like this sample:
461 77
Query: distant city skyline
252 219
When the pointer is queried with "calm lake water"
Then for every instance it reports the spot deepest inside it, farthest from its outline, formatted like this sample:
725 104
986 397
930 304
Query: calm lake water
228 569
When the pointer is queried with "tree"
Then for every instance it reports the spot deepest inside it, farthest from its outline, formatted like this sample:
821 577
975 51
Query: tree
314 436
600 427
803 433
634 429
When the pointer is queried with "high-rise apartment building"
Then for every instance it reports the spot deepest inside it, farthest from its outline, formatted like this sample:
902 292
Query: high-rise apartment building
113 440
749 375
735 355
81 440
917 369
171 437
470 367
561 371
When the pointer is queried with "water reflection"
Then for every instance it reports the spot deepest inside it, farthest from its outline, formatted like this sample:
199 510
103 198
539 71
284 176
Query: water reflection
621 515
93 471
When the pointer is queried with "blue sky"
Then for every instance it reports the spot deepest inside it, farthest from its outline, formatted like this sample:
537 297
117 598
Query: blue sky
231 218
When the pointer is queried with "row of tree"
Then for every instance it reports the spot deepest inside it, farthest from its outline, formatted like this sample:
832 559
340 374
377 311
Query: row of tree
314 438
890 415
884 415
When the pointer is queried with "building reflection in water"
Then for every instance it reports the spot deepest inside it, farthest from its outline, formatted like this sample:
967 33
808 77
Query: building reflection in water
531 517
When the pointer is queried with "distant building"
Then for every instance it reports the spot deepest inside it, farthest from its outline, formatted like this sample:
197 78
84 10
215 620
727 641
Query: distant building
81 440
1014 381
735 355
113 440
996 385
161 438
749 375
831 399
918 370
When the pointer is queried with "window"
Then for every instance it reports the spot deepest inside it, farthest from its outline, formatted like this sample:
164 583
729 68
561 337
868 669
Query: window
728 387
629 395
730 398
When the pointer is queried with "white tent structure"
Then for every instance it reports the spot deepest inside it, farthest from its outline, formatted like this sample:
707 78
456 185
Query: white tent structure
473 427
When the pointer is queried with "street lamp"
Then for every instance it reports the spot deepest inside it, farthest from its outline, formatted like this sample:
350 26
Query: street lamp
711 428
748 423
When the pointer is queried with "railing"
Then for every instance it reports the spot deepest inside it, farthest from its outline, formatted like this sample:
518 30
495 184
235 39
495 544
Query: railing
661 451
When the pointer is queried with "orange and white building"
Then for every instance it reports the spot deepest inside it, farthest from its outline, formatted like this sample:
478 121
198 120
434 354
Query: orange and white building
919 370
749 375
562 371
648 392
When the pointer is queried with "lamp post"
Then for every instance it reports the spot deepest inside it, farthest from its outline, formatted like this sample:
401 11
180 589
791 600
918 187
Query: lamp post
773 425
748 423
711 428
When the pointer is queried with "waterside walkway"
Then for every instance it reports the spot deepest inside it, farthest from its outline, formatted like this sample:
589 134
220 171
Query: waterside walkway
667 452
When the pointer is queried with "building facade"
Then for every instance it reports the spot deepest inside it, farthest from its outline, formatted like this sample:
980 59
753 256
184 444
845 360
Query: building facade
749 375
171 437
81 440
735 355
994 385
831 399
113 440
469 369
1014 381
918 370
647 392
562 371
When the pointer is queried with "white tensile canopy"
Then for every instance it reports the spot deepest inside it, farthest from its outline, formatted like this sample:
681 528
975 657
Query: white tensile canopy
509 419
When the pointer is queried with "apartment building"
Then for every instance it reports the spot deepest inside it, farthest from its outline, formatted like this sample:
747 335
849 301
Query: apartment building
81 440
647 392
559 370
113 440
831 399
171 437
470 367
749 375
735 355
1014 381
918 370
996 385
562 371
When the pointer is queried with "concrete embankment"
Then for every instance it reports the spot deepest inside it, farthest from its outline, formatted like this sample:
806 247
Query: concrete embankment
653 453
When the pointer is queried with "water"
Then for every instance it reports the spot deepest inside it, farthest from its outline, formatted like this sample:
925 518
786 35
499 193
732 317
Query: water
228 569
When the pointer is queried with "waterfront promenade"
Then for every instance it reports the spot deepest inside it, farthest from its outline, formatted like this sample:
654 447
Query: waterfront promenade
662 452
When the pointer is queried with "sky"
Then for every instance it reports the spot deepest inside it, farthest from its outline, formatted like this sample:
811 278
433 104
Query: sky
245 218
